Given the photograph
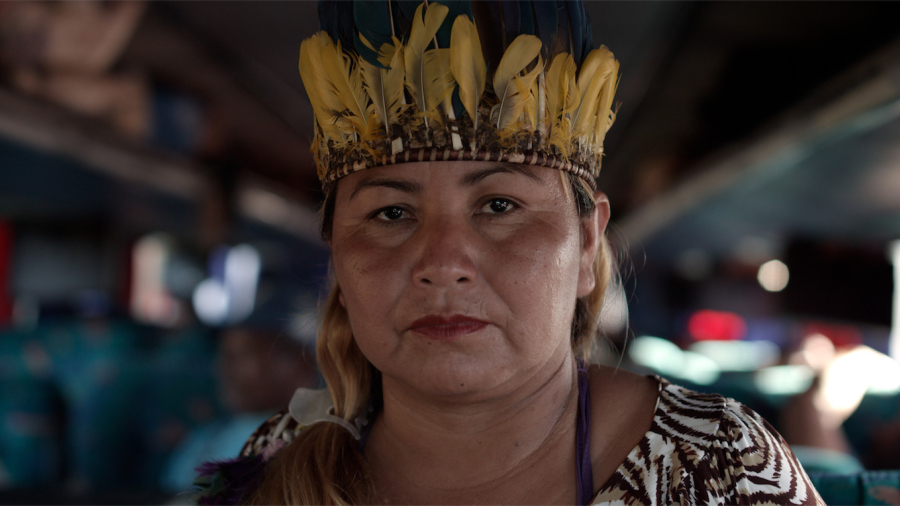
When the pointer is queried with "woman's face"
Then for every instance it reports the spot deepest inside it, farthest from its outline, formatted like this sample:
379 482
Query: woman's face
462 277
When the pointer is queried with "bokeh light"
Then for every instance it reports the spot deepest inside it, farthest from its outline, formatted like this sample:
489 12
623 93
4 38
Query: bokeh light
773 275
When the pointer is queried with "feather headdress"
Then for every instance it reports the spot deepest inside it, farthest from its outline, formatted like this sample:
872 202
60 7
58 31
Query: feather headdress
394 81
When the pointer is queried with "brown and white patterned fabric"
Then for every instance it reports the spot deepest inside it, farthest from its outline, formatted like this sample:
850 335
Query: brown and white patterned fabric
702 449
706 449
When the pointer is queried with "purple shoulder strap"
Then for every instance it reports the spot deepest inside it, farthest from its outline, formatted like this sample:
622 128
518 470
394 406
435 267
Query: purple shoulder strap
584 473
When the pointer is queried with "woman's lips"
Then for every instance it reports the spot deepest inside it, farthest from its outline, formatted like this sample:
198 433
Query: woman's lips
446 327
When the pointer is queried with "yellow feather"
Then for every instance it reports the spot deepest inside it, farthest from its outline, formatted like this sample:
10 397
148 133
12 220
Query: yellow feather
605 115
365 41
346 84
314 77
561 71
542 106
523 50
467 64
420 36
531 104
573 99
554 99
371 133
596 70
385 88
515 102
387 51
559 137
373 79
439 81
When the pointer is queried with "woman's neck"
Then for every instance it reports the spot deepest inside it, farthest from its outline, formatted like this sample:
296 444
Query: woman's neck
504 450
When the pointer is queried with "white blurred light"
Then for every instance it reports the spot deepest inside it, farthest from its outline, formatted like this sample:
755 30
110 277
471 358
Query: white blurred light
817 351
773 275
668 359
656 353
849 377
856 372
218 302
783 379
739 355
699 369
894 343
846 380
151 301
211 302
242 266
265 206
886 381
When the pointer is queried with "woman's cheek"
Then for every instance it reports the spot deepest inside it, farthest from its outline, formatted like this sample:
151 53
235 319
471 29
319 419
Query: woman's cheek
539 260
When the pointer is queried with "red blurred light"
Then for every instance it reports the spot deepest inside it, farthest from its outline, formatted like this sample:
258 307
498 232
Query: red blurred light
708 325
842 336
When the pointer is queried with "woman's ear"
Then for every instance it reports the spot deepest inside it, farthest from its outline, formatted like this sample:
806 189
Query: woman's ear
592 230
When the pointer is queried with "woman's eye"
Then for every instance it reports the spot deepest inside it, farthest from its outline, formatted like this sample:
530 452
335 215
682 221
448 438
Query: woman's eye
498 205
392 213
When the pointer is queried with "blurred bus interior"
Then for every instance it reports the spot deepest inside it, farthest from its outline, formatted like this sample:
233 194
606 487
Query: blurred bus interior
157 192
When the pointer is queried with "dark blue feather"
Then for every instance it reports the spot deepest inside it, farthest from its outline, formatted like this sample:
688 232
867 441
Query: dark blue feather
563 36
458 108
404 14
336 18
587 38
366 53
526 19
373 21
546 21
489 21
511 18
576 31
457 8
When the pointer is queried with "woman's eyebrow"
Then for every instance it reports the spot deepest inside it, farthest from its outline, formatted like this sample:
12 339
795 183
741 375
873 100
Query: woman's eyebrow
478 175
396 184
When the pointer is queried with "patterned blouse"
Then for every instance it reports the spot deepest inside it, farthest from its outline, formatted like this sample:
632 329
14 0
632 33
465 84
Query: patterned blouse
701 449
706 449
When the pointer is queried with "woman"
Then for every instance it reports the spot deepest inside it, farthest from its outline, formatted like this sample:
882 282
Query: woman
470 264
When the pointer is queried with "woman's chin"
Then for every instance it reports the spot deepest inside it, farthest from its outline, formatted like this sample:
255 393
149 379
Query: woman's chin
450 377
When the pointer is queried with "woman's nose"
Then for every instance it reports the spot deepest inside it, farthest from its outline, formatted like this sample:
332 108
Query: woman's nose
445 253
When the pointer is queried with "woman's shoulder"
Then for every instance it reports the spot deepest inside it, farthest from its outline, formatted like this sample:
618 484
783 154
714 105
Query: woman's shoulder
689 416
741 449
661 406
710 446
706 419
